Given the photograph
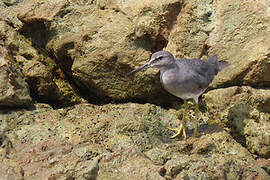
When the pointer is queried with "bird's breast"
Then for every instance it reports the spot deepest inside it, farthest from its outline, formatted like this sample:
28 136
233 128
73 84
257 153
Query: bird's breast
169 80
180 85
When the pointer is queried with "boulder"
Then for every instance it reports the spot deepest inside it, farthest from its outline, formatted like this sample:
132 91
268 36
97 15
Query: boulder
46 81
117 141
14 91
236 31
96 43
99 43
41 80
245 111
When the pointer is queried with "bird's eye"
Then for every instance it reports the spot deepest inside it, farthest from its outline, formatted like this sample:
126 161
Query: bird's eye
159 57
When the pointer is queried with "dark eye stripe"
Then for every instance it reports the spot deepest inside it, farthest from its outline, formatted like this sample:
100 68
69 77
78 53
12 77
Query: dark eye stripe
159 57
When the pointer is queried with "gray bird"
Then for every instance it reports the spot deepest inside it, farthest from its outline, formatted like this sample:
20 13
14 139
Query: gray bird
184 78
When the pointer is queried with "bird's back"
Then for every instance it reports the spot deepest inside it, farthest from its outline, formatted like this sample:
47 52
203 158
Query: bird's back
191 78
200 73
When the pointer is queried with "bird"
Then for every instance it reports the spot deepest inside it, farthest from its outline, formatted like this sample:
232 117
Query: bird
185 79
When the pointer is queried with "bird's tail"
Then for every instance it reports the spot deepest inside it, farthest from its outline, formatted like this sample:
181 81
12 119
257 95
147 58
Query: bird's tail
221 64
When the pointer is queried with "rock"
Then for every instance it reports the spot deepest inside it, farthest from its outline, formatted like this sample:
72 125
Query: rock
207 27
123 141
89 46
134 166
89 170
9 12
258 138
158 156
213 167
95 54
246 48
100 53
46 81
14 91
2 5
200 162
51 159
11 2
245 110
190 33
147 27
41 80
40 10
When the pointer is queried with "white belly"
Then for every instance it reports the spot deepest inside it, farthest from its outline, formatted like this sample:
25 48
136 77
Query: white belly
172 86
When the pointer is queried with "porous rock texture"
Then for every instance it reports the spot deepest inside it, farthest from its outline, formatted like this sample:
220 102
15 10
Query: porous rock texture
14 91
126 141
45 79
57 53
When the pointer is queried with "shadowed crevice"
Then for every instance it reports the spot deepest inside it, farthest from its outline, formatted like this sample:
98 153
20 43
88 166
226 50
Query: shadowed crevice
37 32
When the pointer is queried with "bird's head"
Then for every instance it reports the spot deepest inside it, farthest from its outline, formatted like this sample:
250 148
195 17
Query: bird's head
157 60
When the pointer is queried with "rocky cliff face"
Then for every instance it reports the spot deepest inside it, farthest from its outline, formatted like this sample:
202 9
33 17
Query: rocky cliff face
61 53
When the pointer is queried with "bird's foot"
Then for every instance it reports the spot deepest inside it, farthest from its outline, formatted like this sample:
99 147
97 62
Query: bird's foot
178 131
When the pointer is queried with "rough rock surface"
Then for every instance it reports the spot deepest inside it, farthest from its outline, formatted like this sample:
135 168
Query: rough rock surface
100 53
128 141
66 50
240 36
238 31
96 53
44 78
14 91
246 111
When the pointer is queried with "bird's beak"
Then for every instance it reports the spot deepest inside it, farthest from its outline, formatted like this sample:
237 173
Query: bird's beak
139 68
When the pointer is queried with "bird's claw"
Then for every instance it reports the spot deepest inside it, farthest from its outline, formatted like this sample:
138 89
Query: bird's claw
178 131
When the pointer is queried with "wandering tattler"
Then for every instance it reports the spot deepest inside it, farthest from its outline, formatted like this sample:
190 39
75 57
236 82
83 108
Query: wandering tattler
184 78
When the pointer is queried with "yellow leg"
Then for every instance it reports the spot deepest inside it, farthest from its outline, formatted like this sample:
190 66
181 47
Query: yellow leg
196 120
181 127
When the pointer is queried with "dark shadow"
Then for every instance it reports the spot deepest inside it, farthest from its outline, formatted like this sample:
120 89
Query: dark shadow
210 128
205 129
150 44
36 31
8 109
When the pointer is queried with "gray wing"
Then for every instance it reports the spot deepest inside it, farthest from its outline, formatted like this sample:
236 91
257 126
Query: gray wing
197 73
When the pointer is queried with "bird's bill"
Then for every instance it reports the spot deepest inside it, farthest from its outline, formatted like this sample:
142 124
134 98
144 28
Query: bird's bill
138 69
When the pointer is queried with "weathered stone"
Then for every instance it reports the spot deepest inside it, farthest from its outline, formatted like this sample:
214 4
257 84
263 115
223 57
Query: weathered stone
124 141
191 30
95 43
100 53
2 5
136 166
96 53
200 162
240 36
212 167
30 18
14 90
41 81
46 81
9 12
257 136
158 156
246 111
11 2
40 10
149 26
236 31
48 159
